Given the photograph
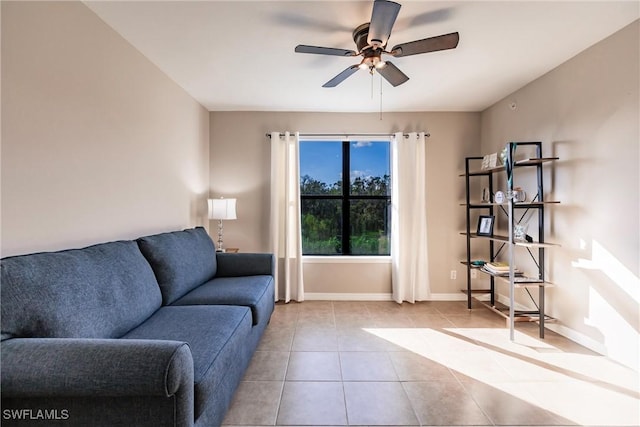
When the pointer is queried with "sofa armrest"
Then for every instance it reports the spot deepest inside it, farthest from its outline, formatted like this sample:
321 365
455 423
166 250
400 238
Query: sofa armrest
244 264
43 367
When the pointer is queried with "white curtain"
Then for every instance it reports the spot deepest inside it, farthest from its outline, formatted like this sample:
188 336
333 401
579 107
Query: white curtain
409 258
286 238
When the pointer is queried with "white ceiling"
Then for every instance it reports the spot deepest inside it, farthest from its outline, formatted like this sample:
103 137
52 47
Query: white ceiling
239 55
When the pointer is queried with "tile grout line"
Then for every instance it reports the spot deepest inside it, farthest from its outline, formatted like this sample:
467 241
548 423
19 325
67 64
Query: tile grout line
344 393
286 370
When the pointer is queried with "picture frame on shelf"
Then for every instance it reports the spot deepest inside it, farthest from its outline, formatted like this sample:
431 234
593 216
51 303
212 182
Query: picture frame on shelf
489 161
485 225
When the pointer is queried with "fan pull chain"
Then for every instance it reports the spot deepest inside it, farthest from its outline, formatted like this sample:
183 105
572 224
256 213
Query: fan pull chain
380 98
371 86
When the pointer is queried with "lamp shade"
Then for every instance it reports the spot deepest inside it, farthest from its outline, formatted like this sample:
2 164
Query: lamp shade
222 209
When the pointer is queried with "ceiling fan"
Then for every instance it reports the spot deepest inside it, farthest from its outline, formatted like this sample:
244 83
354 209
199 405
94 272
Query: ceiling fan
371 40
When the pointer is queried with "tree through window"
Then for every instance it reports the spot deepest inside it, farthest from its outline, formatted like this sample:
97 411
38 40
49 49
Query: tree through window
345 218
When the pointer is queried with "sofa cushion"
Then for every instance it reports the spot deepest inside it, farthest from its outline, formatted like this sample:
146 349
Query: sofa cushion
217 336
255 292
101 291
181 260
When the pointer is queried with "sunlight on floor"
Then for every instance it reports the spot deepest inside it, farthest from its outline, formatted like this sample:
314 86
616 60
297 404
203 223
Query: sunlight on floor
581 387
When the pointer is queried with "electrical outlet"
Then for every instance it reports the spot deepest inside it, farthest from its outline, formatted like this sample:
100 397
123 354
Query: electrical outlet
474 274
454 274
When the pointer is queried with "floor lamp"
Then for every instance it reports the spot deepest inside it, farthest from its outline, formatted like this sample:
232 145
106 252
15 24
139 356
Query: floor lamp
222 209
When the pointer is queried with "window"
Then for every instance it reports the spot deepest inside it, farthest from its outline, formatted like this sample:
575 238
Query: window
351 218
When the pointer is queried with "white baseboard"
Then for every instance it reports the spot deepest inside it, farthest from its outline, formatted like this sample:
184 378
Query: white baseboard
339 296
580 338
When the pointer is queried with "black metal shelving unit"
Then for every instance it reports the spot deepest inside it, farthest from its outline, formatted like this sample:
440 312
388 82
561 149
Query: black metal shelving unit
503 246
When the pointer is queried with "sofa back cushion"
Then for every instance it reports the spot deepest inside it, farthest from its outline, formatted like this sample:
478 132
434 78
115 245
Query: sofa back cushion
181 260
101 291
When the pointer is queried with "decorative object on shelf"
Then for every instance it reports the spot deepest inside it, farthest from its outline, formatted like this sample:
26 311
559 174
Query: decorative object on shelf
221 209
490 161
485 225
520 232
519 195
478 263
499 197
485 195
503 156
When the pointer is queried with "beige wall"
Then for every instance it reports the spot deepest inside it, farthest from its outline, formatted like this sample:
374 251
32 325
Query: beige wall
586 112
240 167
97 143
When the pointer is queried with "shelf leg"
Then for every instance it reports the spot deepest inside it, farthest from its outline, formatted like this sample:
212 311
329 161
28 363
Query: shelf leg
509 168
541 305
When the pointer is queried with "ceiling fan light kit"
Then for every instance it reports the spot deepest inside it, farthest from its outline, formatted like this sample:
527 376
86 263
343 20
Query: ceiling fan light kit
371 41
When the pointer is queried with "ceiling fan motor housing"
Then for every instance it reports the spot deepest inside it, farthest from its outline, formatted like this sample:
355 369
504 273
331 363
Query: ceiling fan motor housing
360 35
371 55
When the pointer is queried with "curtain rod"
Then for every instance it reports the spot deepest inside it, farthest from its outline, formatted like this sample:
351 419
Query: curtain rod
347 135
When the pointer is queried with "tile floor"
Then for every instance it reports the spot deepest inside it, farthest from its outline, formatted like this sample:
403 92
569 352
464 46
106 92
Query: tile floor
427 364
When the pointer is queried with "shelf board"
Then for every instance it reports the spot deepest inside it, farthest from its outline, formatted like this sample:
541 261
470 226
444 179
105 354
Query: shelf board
526 282
482 172
520 281
518 163
535 204
518 205
479 205
535 161
520 316
537 244
475 267
476 291
494 237
505 239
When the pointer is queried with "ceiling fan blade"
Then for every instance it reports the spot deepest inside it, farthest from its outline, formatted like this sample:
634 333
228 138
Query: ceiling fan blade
431 44
392 74
382 19
341 77
318 50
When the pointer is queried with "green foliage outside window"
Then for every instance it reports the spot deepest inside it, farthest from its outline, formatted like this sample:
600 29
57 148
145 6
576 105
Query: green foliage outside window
369 217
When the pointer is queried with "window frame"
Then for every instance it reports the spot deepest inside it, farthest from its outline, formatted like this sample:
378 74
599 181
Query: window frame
346 197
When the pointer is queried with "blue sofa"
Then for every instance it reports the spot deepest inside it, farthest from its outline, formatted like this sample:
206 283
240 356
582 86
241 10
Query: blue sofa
152 332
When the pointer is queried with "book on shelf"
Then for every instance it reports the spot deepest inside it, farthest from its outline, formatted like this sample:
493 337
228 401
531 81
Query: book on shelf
500 269
497 266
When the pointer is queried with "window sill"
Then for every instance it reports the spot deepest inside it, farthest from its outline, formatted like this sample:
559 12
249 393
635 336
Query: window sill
385 259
